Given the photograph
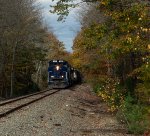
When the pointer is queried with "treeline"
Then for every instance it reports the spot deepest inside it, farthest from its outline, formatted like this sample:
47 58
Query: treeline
113 46
113 52
24 46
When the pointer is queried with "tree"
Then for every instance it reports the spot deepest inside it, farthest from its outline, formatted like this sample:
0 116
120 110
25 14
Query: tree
62 7
21 37
119 40
56 49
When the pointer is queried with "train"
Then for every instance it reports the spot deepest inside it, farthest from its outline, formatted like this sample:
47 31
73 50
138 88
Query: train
62 75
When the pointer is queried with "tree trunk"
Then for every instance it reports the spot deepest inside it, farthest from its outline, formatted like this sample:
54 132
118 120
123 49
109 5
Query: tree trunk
38 72
2 71
13 70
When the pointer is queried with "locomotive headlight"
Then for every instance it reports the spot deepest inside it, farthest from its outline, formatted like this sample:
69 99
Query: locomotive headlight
57 68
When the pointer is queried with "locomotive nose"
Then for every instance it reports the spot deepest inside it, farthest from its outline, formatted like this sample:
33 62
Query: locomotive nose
57 68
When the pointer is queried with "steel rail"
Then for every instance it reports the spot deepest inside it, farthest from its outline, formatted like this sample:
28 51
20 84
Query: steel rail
20 98
5 113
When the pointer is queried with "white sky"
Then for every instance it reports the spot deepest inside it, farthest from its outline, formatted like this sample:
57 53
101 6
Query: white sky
66 31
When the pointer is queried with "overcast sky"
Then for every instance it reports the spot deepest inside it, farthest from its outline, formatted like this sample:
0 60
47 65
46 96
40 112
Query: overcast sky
65 31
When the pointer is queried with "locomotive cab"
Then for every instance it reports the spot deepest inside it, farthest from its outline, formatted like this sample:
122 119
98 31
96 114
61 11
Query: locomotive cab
59 74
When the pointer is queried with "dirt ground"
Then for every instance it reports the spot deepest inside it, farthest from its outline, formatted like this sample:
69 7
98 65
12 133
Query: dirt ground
97 120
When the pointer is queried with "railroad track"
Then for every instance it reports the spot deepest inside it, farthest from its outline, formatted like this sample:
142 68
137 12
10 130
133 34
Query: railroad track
9 106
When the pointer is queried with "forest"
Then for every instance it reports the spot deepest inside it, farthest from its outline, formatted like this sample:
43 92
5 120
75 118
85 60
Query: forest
112 51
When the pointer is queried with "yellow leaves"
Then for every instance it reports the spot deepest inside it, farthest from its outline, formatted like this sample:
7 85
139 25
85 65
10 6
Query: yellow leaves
75 54
110 99
104 2
77 59
137 37
135 26
110 94
140 19
129 40
148 46
145 29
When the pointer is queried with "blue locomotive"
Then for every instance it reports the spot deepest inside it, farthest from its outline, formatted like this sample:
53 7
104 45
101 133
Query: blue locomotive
61 74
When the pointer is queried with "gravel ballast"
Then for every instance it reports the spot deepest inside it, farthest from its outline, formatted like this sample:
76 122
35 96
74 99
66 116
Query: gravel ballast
70 112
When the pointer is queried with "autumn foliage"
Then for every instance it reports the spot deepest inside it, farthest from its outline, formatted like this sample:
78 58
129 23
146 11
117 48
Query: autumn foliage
114 54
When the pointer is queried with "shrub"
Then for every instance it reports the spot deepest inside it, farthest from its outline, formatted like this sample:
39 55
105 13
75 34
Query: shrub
135 116
111 92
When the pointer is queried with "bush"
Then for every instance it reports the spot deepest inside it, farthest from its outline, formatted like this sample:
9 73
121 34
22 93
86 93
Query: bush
111 92
135 116
96 88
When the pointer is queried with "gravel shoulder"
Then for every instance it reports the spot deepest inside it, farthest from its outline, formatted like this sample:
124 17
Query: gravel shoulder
74 111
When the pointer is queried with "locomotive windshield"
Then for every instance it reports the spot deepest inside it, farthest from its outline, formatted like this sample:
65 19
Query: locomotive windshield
58 62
